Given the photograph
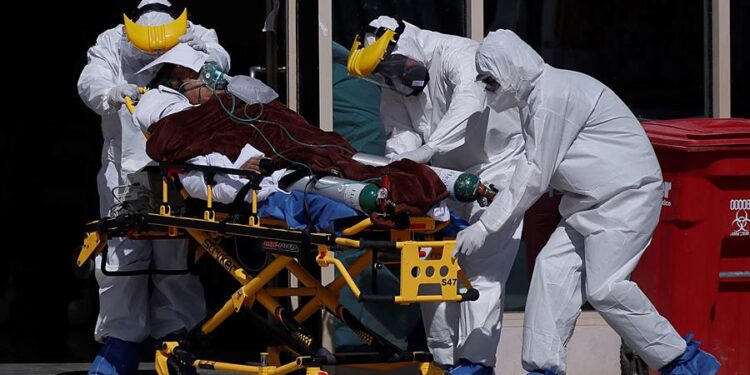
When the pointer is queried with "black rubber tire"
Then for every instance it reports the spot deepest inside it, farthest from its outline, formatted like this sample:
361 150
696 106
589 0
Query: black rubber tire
174 367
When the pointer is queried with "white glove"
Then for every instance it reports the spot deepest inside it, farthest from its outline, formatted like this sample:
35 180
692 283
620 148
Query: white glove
117 94
197 43
421 155
470 239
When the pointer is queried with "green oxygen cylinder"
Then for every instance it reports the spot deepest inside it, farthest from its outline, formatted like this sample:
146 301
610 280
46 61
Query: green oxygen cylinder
361 196
461 186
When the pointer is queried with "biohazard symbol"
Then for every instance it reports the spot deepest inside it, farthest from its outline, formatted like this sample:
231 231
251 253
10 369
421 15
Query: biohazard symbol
742 220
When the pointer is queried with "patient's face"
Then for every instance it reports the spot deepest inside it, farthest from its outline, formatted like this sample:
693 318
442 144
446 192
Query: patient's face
193 88
196 91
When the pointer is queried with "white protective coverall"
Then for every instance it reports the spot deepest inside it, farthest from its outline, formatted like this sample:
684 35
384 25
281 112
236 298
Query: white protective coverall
126 311
583 141
450 117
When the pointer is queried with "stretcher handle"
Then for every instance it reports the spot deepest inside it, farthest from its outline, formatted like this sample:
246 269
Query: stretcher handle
380 245
470 295
378 298
129 101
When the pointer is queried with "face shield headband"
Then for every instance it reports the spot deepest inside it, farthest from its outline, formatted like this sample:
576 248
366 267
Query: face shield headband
363 60
173 10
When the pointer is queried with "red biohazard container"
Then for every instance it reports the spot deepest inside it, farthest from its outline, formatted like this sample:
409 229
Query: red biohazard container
697 268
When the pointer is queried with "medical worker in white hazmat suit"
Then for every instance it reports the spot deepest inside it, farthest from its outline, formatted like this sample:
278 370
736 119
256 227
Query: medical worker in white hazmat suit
127 313
583 141
433 111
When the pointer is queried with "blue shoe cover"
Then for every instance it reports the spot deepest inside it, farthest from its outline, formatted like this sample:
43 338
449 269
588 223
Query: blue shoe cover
543 372
465 367
116 357
692 362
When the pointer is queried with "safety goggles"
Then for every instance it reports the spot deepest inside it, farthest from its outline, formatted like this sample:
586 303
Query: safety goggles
364 59
489 83
156 39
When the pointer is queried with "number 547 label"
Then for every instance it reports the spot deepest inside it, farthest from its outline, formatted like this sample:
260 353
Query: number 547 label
449 282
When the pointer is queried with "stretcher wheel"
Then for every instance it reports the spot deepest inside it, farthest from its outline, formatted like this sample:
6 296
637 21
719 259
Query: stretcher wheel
84 271
176 367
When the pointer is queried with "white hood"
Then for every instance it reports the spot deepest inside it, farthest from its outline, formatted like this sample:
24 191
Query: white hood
414 43
511 62
154 18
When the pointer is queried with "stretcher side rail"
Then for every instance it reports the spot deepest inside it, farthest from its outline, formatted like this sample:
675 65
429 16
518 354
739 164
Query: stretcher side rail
135 221
249 174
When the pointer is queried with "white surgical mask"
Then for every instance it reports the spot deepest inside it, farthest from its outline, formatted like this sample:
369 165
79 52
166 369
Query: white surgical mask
500 101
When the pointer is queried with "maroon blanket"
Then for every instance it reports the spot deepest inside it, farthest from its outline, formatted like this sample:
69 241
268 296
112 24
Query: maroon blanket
207 128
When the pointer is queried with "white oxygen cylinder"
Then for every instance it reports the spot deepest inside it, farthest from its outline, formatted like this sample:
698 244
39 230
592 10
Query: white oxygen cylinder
461 186
361 196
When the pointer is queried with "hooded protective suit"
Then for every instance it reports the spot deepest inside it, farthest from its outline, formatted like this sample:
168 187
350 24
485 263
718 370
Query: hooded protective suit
582 140
449 119
176 302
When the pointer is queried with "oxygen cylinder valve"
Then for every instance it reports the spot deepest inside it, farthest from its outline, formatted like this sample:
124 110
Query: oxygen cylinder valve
383 194
486 194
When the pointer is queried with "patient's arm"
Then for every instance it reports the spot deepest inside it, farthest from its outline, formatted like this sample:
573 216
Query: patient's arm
226 186
156 104
252 164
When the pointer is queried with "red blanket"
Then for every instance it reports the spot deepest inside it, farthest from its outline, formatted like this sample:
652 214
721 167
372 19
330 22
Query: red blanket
414 187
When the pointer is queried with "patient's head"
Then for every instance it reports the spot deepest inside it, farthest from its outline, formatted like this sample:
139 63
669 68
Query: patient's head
186 81
178 69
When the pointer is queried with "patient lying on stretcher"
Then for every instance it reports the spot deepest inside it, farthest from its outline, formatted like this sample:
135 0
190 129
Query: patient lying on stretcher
189 122
164 100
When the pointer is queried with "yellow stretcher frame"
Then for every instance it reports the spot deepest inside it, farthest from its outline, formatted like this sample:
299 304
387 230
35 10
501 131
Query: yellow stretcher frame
439 268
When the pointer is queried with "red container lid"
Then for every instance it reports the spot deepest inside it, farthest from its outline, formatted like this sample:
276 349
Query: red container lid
700 134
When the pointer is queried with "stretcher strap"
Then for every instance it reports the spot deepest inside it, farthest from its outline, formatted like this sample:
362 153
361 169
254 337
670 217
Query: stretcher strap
239 200
286 181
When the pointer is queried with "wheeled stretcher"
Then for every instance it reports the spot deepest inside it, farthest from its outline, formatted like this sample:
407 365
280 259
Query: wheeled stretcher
422 256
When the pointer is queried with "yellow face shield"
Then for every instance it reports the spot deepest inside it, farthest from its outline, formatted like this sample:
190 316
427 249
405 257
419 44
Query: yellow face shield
363 60
156 39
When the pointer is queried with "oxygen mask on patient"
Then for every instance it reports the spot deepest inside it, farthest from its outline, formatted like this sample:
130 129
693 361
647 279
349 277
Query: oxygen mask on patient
213 77
246 88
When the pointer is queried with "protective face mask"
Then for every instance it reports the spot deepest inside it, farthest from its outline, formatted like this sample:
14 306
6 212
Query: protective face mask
154 19
501 101
416 79
134 57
